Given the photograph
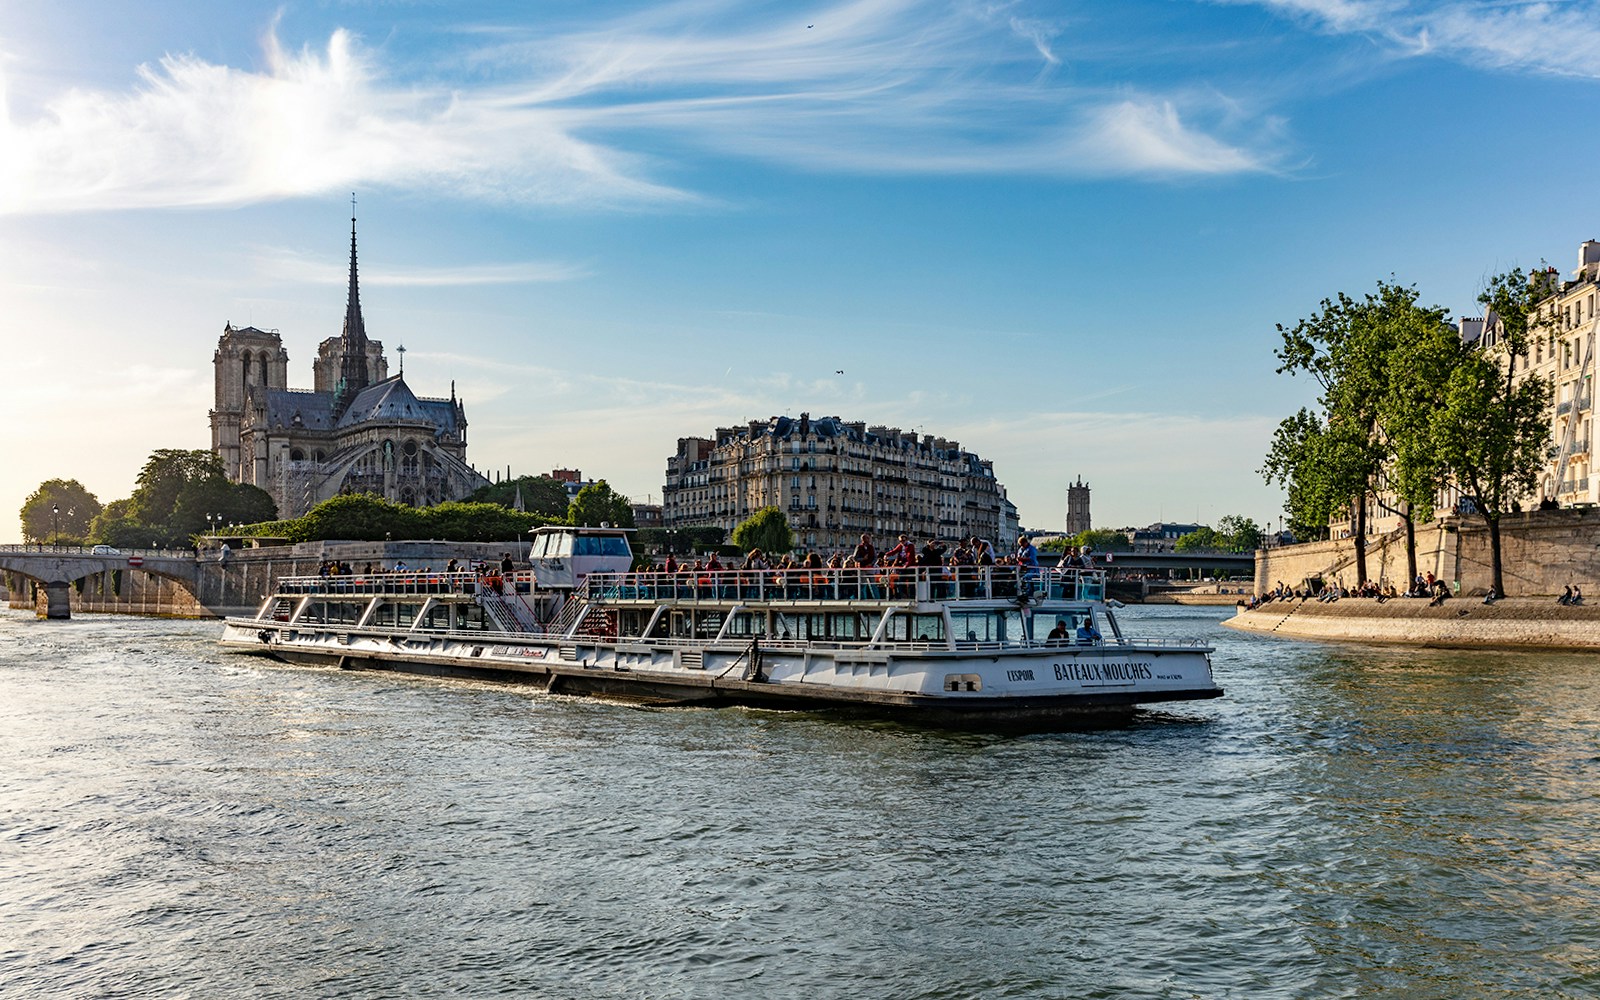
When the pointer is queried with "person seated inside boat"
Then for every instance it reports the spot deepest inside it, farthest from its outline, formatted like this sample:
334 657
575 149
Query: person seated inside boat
1058 635
1087 633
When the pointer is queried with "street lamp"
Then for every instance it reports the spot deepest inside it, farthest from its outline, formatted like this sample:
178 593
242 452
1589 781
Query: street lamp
55 525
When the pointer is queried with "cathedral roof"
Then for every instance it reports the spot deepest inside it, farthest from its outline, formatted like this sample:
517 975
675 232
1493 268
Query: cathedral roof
392 400
298 408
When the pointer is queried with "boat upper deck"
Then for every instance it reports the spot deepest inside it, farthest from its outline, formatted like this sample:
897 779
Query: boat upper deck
879 585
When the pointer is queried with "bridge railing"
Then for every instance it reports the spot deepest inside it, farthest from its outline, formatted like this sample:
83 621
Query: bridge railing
108 552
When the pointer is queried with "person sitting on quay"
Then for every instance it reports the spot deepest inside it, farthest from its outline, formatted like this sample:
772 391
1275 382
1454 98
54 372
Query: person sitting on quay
1492 596
1440 591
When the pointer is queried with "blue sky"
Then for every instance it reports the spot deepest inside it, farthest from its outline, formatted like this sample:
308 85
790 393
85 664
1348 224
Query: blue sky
1059 233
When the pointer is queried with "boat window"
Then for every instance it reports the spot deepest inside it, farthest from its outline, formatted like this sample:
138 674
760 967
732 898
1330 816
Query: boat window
601 545
540 544
915 628
785 626
987 626
333 612
707 624
850 625
748 623
560 546
631 623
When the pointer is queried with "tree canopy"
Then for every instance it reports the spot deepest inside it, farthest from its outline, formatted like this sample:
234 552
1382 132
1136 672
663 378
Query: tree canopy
1406 409
365 517
598 504
540 495
1233 533
767 529
59 510
175 492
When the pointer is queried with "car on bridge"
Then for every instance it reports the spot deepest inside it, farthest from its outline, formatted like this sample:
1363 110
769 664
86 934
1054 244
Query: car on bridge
105 550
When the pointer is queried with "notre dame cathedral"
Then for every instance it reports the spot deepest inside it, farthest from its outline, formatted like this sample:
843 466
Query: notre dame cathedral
357 431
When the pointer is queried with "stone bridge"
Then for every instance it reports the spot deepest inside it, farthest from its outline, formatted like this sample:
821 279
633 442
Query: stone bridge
56 567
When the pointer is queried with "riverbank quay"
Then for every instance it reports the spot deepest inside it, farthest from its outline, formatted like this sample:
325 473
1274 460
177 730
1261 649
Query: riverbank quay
1458 623
1542 552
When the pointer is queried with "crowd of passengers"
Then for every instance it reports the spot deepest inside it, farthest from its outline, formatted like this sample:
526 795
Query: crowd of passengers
337 567
893 571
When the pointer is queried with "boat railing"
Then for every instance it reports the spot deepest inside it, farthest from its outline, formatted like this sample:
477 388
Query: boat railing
402 582
879 583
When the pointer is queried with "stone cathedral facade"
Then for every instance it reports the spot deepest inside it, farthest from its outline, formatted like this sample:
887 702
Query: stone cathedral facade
358 430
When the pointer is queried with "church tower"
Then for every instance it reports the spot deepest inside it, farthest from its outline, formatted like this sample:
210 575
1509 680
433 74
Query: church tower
1077 507
246 360
353 343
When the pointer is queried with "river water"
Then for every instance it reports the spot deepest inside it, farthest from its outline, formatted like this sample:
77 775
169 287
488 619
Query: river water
1348 821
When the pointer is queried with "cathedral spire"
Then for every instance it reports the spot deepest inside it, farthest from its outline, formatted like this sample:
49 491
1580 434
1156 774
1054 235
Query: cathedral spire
353 344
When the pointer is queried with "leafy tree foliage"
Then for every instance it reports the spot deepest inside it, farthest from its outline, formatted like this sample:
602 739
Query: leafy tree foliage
75 511
176 491
1336 458
365 517
540 495
1103 540
1406 408
598 504
767 529
1242 533
1233 533
1490 431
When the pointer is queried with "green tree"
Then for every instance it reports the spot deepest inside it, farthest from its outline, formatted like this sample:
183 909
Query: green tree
767 529
1202 539
1242 533
59 510
598 504
1421 366
1315 488
1343 454
477 522
357 517
1103 540
540 495
117 526
1490 429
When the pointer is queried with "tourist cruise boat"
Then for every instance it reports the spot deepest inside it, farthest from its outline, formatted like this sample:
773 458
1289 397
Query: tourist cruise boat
989 646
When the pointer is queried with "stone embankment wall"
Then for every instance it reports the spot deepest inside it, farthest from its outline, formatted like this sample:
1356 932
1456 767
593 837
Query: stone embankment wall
1542 552
1458 622
239 585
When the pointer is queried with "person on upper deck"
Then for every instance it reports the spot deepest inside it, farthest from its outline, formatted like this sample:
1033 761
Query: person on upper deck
1027 555
904 554
983 552
864 554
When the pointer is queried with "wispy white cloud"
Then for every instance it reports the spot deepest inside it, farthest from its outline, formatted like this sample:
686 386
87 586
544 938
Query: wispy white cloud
887 85
284 264
1528 35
